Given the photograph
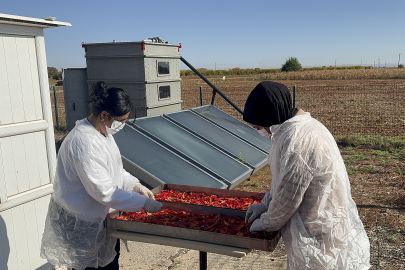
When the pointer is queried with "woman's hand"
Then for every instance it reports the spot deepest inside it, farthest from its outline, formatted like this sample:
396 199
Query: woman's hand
254 211
256 227
152 206
113 214
139 188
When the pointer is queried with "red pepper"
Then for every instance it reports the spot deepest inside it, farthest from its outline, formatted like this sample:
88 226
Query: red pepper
206 222
204 199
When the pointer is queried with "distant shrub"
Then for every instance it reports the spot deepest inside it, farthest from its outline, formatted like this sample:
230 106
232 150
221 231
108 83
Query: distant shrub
57 76
400 66
52 71
292 64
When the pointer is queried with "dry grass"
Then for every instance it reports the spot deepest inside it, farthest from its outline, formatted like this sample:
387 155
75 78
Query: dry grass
344 74
339 74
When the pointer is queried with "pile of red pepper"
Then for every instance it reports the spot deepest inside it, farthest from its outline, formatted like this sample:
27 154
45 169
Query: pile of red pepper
205 222
174 195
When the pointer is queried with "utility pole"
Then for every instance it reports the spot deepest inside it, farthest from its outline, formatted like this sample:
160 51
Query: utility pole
335 63
399 59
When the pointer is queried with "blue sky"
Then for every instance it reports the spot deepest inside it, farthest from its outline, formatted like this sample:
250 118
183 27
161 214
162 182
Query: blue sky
225 34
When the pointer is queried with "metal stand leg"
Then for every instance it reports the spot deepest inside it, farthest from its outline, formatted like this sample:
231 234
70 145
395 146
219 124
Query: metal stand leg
203 260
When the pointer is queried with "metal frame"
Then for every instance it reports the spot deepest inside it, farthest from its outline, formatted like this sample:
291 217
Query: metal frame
195 235
202 246
183 243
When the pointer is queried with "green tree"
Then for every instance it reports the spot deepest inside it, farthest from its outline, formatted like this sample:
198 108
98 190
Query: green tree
400 66
292 64
52 71
57 76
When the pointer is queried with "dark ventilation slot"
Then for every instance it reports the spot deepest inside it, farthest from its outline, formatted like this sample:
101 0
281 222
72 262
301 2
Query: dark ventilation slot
164 92
163 68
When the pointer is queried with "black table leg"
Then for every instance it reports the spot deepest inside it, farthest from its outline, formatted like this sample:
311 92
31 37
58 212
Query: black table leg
203 260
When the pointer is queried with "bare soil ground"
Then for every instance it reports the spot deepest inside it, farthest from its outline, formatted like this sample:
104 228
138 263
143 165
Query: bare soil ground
343 106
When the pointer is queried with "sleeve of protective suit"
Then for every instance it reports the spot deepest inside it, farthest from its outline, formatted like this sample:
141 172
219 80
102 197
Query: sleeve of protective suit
295 178
267 198
129 180
91 164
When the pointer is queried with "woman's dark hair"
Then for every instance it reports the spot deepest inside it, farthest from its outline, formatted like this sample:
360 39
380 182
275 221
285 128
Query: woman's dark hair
113 100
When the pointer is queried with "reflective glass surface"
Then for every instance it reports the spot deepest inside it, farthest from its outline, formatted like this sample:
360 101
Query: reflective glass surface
164 91
235 126
160 162
233 145
194 148
163 68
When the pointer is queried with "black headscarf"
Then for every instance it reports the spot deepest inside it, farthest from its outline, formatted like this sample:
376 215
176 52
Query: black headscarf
268 104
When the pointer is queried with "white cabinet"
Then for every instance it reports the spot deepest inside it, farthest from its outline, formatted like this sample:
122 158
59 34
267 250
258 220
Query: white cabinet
27 145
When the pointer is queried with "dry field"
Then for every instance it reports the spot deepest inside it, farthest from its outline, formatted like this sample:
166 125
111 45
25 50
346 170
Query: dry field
344 106
363 107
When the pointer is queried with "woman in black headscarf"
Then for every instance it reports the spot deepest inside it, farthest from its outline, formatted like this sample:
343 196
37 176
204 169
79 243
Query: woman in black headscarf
310 199
269 99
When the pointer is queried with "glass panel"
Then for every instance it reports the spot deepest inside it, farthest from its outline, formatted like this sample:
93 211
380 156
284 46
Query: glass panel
233 145
160 162
235 126
194 148
163 68
164 92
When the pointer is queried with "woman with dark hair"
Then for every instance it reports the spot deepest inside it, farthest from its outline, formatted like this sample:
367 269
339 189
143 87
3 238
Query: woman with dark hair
90 182
310 199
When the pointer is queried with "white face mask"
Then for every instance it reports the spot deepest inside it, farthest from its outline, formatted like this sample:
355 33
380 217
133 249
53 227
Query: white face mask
264 133
115 127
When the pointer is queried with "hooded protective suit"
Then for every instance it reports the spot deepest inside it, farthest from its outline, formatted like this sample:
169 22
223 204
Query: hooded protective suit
310 198
90 182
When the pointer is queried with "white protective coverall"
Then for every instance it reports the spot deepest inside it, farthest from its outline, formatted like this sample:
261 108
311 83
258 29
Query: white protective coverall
90 182
310 199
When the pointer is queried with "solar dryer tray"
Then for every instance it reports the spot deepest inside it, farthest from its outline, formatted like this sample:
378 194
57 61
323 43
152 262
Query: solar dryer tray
193 148
154 164
233 125
220 138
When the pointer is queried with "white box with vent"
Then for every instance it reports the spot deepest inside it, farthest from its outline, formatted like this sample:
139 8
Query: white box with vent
151 98
149 71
